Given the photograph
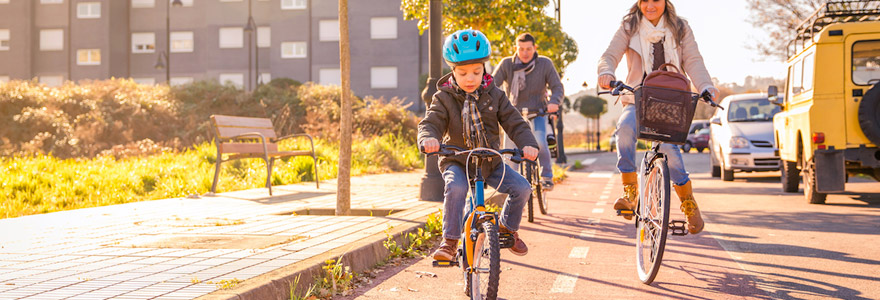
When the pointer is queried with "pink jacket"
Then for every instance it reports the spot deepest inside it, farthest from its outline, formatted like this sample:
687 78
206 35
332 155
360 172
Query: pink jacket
691 60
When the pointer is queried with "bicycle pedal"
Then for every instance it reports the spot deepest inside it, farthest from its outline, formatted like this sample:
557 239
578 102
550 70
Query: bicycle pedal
625 212
678 228
506 240
445 263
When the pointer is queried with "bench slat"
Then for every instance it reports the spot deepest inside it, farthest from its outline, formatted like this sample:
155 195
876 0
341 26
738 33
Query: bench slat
227 132
232 121
247 148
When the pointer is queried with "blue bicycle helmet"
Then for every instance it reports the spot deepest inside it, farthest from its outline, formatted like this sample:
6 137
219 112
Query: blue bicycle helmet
466 46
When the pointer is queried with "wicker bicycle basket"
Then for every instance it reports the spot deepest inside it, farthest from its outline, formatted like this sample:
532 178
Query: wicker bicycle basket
664 115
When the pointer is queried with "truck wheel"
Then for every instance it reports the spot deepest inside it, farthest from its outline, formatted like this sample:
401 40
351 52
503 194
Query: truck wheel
790 176
810 193
869 114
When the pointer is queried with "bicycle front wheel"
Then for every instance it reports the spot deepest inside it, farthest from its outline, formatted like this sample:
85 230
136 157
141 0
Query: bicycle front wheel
483 281
530 205
541 194
653 219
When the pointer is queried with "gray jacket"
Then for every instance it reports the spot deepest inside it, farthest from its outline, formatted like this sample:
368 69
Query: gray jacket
534 96
443 122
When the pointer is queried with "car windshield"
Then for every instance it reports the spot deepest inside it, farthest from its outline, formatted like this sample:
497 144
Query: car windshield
751 110
704 131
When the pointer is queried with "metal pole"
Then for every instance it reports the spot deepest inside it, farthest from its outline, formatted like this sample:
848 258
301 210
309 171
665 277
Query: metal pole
250 45
168 42
431 188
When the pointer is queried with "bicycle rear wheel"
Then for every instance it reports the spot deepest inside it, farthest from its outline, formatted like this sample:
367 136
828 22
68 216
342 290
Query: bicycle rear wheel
541 194
483 282
652 224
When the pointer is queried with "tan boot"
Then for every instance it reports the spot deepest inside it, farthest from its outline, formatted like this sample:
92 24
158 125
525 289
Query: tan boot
446 251
630 193
689 207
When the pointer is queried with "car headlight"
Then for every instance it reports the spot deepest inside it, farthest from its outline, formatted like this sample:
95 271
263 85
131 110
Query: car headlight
739 142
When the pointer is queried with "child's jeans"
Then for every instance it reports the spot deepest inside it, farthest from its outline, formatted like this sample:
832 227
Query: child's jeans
515 186
626 148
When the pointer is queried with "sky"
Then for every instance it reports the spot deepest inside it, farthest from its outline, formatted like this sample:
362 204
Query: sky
720 27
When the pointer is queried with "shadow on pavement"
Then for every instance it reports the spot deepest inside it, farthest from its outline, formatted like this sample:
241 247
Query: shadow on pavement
800 221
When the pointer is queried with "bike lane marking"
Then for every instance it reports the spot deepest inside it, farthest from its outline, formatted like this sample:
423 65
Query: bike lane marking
600 174
564 283
579 252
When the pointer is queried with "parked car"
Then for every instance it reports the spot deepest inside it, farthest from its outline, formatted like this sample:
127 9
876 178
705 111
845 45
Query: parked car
741 137
700 140
696 126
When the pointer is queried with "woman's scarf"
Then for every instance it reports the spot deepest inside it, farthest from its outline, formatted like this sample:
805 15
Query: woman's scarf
520 70
650 34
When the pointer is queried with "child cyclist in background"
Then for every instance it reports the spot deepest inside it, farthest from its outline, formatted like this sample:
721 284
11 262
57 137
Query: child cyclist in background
463 98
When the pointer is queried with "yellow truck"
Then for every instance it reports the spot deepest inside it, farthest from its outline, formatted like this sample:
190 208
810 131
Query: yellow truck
829 127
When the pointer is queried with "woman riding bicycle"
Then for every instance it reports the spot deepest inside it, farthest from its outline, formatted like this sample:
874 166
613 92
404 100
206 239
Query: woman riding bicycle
466 112
651 35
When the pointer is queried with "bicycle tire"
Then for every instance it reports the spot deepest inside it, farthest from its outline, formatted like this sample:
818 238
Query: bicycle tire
653 199
531 203
488 283
542 199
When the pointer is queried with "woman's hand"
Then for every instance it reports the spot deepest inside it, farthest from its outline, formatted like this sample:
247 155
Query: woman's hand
714 92
431 145
605 81
530 153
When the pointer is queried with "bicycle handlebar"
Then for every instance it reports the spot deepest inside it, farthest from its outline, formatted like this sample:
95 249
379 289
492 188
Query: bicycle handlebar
617 86
450 150
540 113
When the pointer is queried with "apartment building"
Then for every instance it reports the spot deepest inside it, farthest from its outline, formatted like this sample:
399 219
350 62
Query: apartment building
58 40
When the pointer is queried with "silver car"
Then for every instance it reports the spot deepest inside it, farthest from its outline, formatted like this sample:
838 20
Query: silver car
742 136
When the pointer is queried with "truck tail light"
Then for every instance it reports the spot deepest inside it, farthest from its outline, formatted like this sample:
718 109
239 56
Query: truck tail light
818 137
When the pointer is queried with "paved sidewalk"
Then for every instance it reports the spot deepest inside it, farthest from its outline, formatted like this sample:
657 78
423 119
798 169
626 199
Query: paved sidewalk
170 249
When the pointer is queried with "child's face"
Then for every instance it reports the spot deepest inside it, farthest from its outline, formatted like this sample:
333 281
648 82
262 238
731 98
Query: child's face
469 77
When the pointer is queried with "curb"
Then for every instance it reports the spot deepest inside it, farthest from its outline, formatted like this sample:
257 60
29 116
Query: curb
359 256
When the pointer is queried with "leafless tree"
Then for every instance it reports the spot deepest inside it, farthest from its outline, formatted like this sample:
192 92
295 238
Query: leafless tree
779 19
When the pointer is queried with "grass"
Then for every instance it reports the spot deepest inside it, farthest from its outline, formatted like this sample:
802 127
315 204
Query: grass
42 184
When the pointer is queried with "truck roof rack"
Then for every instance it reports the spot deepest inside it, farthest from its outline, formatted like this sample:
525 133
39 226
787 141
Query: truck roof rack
833 12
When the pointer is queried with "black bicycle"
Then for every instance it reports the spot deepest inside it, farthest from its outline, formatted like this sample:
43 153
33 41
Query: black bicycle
652 218
532 170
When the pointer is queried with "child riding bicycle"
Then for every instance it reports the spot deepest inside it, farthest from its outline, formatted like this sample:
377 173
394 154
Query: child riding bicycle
466 112
652 35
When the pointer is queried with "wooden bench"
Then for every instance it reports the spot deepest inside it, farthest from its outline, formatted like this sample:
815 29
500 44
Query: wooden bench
243 137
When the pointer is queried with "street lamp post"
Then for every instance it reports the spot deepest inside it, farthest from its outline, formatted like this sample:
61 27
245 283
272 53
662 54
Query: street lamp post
250 28
167 53
431 187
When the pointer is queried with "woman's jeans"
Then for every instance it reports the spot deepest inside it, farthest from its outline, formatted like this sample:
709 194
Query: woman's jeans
626 148
515 186
539 129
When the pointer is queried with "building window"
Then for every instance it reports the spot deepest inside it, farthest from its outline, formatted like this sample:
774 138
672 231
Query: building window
231 0
329 77
4 39
88 10
4 1
144 42
143 3
231 37
383 28
181 80
293 4
236 79
88 57
265 78
293 50
383 77
264 37
145 80
186 3
4 79
51 1
328 30
182 41
52 81
865 62
51 39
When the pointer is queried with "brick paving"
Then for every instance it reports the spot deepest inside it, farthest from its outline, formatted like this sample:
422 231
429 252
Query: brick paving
172 248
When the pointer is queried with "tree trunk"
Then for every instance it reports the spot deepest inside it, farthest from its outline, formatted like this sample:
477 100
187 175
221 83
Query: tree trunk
343 190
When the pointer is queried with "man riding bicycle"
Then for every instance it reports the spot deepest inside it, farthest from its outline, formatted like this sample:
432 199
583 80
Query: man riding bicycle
466 112
525 77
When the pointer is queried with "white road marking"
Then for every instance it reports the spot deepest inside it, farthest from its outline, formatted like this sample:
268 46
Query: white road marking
588 161
579 252
600 175
601 203
605 192
587 234
604 197
598 210
564 283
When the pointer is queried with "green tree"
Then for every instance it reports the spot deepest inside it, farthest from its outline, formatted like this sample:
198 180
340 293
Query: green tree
502 21
591 106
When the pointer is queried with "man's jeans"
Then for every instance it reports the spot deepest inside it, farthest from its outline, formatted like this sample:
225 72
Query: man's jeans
626 148
539 129
515 186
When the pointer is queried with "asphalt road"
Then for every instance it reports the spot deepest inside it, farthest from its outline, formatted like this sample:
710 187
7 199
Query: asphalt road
759 243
